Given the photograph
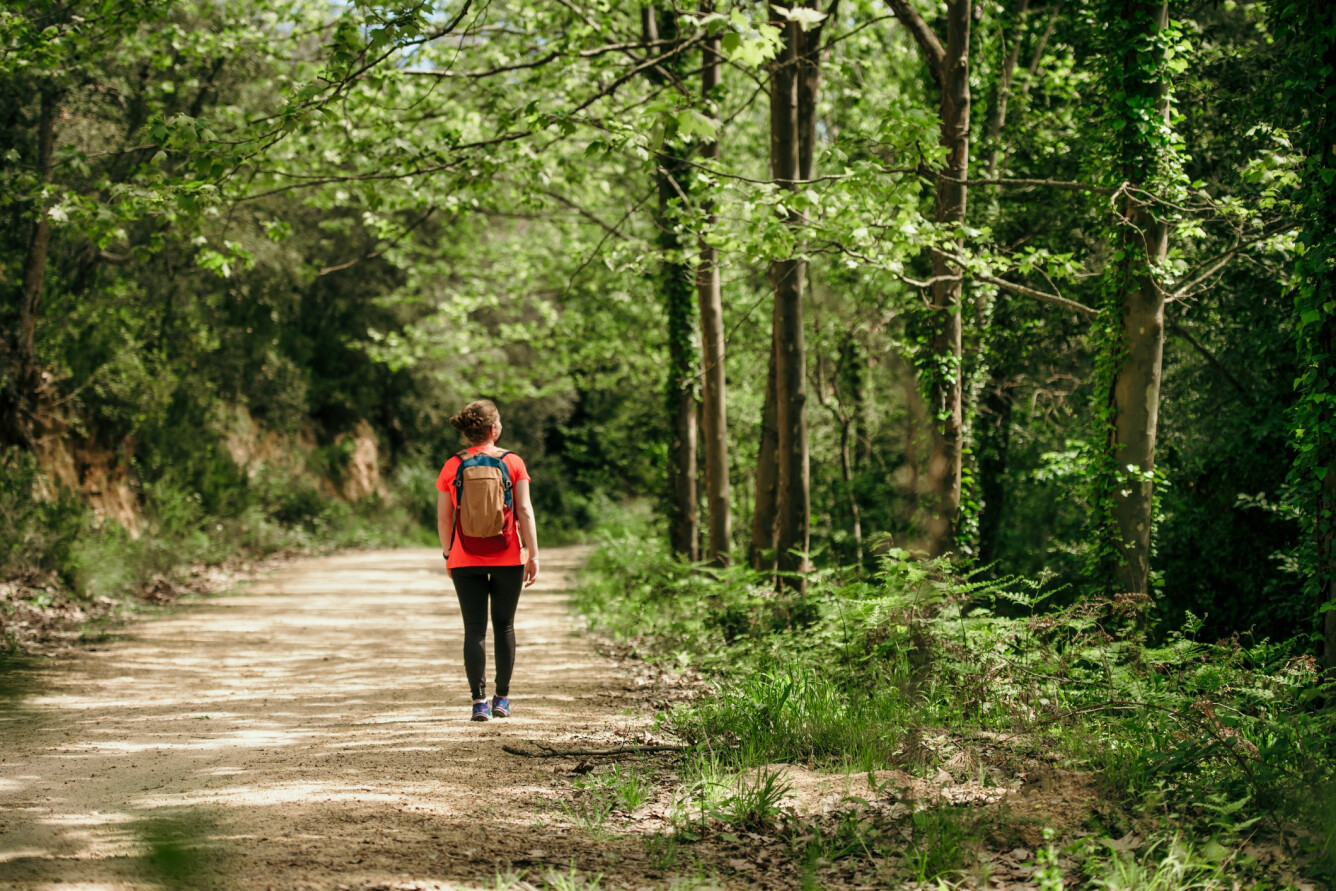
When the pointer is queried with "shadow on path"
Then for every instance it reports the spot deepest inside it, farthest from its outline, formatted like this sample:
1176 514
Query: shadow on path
310 732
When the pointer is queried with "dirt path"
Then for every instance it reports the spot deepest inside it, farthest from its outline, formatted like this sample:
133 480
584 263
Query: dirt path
307 732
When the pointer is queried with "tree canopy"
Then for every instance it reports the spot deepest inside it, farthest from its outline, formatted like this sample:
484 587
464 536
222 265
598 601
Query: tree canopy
1018 282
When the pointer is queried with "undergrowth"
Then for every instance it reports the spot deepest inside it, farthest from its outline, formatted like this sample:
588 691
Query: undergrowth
1201 747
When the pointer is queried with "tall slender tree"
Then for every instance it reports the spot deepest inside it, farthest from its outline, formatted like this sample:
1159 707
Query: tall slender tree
949 65
1131 318
795 84
990 416
714 412
676 287
23 392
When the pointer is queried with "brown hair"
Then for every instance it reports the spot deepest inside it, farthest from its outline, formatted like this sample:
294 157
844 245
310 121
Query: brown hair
476 420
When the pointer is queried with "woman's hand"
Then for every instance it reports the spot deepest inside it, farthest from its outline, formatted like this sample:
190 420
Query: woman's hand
531 571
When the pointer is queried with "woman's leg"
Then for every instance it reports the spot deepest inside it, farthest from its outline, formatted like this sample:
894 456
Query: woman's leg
471 587
507 582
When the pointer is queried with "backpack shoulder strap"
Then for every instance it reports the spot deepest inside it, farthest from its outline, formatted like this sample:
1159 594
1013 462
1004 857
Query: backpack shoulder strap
459 474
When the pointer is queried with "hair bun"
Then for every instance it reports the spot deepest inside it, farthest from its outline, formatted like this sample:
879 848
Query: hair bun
476 420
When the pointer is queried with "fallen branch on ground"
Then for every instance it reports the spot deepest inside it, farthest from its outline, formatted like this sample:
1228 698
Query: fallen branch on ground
551 752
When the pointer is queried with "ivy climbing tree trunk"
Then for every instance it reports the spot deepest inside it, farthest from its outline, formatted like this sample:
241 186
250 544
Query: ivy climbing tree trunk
1132 312
714 415
1312 26
676 284
949 66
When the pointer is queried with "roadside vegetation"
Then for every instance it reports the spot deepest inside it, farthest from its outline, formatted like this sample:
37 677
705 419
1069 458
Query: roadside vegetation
66 568
1002 715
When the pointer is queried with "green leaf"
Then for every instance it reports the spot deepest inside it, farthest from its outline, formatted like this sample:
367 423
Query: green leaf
691 123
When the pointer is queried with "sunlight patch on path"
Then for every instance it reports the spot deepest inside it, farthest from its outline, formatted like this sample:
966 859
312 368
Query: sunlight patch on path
309 731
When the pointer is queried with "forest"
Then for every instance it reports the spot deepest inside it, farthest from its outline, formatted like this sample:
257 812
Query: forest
945 388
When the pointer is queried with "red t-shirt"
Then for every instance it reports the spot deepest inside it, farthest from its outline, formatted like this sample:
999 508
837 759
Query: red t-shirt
511 556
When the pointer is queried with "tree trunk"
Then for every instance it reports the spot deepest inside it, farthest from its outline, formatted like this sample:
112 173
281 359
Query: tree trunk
767 478
847 474
1136 398
998 118
851 379
992 426
1144 242
944 465
1320 260
677 288
994 442
795 80
1326 532
22 401
949 65
715 414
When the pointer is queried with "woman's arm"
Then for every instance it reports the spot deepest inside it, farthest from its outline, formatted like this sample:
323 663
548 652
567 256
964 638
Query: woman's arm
445 519
528 528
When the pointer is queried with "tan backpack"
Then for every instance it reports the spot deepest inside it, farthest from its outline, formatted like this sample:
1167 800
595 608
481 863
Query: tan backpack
484 503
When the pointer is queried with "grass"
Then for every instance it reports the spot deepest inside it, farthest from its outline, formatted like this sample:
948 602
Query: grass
572 879
588 812
753 800
942 840
795 714
624 786
1200 746
663 851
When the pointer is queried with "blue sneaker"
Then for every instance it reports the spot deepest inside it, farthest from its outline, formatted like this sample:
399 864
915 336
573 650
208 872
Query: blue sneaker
482 711
501 706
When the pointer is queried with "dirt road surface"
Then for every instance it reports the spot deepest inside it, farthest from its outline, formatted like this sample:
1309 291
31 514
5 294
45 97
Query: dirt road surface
307 731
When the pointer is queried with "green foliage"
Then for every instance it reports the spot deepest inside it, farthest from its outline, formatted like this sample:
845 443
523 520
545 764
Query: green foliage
941 841
796 714
59 538
40 531
1311 87
315 216
624 786
1142 160
1206 739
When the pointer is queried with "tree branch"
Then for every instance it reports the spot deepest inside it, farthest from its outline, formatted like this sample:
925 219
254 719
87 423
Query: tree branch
1067 185
1023 290
535 63
927 40
1211 360
376 253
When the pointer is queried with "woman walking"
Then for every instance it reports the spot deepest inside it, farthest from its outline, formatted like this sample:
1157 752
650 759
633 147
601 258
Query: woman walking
484 490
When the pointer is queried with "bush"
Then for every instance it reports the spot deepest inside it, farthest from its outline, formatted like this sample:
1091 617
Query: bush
39 532
57 538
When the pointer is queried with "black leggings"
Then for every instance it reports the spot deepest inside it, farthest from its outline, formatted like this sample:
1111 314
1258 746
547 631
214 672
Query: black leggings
473 584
